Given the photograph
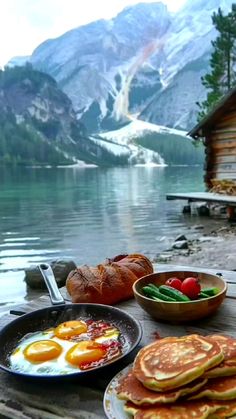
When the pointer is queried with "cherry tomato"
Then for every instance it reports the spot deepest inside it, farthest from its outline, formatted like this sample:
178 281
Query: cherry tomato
191 287
174 283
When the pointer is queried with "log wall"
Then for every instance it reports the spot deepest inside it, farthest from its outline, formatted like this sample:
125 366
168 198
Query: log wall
220 143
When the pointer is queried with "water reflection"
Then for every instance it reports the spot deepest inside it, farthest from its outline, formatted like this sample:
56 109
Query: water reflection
87 215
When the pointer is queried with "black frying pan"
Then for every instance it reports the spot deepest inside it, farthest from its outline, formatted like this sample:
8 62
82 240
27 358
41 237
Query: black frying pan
46 318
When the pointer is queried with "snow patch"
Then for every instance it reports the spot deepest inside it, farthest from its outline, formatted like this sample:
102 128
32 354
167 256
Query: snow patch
125 136
136 128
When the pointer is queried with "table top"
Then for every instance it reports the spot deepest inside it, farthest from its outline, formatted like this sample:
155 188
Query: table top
24 399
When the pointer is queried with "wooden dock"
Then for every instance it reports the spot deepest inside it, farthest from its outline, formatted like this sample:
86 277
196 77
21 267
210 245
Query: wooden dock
204 197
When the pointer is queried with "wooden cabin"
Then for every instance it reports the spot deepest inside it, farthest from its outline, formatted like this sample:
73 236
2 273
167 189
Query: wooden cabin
218 132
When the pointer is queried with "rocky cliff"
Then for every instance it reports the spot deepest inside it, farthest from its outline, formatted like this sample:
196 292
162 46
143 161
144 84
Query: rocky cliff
145 61
38 124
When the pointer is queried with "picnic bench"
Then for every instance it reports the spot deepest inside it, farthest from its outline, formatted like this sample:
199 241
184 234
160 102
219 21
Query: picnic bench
83 399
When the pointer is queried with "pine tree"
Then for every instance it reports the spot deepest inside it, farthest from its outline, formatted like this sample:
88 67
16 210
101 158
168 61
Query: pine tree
222 77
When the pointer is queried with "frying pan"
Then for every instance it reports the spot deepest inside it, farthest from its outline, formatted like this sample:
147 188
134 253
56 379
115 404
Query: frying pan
10 335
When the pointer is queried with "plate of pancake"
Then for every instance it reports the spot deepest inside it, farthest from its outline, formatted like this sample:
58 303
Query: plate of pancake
186 377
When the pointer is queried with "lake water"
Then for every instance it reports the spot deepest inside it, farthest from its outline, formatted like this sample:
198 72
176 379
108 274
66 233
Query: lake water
87 215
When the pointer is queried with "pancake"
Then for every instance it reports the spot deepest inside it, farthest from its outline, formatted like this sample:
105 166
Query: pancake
222 388
228 409
228 365
172 362
185 410
131 389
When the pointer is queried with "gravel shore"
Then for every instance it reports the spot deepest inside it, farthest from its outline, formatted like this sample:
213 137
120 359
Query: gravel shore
213 248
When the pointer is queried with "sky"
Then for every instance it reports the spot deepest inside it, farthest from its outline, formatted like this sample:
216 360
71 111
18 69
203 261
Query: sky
24 24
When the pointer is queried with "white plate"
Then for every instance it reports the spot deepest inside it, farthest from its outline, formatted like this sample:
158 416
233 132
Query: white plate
113 407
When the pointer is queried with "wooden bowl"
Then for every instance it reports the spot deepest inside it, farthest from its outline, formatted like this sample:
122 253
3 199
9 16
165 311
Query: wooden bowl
180 312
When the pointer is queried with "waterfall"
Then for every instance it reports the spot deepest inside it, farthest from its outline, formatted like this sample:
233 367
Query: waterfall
141 156
121 104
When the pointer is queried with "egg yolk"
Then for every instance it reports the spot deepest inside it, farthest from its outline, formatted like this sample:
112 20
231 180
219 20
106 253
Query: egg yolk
85 352
42 350
71 328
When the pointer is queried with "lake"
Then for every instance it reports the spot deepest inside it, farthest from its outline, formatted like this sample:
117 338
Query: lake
87 214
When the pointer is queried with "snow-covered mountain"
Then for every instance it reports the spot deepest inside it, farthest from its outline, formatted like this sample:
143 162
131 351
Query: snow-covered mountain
185 60
145 61
95 64
153 145
127 136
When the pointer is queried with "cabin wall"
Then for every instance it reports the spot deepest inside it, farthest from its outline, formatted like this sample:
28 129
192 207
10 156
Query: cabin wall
220 148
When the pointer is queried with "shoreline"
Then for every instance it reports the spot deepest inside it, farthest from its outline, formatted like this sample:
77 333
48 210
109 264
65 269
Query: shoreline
212 248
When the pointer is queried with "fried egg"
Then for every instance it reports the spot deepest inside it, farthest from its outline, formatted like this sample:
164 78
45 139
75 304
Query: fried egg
71 328
68 348
84 352
42 350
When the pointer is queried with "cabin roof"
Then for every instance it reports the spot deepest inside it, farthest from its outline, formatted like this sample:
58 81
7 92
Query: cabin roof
214 115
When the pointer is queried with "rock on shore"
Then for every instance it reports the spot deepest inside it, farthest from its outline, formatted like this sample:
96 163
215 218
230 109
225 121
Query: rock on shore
61 269
212 249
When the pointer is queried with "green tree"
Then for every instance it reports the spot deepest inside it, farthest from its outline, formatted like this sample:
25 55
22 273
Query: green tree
222 76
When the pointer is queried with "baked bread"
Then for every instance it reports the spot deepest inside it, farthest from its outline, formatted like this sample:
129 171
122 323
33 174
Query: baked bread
109 282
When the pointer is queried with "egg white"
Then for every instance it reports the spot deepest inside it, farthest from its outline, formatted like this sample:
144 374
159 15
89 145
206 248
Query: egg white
57 366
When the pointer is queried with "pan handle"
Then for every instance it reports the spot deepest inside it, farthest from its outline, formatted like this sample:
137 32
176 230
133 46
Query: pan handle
49 278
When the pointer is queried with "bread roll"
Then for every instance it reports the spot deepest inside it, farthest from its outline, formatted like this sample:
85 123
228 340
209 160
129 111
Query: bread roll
109 282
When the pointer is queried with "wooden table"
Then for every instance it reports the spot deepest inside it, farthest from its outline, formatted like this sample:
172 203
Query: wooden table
24 399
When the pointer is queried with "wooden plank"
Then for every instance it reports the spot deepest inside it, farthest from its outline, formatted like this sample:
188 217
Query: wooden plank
225 175
213 168
225 159
223 152
163 267
222 135
226 124
204 197
225 167
229 117
35 400
220 175
217 145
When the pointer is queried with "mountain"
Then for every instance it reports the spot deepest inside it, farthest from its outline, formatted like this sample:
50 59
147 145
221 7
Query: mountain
94 64
186 56
146 62
39 126
20 60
